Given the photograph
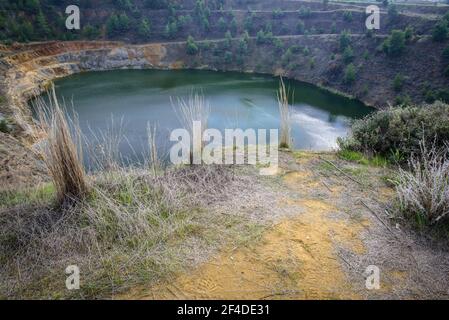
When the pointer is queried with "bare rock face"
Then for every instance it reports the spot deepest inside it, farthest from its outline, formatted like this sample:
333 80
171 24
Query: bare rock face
29 73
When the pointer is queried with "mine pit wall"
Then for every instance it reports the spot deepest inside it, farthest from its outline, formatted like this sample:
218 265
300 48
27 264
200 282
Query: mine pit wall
30 69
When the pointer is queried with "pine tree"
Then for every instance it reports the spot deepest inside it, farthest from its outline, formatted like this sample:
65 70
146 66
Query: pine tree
144 29
42 26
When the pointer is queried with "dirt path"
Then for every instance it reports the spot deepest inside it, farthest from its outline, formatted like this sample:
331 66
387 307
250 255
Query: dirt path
321 250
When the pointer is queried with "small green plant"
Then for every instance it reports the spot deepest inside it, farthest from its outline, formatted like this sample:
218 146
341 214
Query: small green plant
398 82
304 12
350 74
402 100
144 28
333 28
264 37
353 156
228 57
222 25
359 157
446 72
277 13
306 51
312 63
44 193
365 90
445 53
4 126
440 31
365 55
348 55
344 40
408 33
191 46
347 16
394 45
300 27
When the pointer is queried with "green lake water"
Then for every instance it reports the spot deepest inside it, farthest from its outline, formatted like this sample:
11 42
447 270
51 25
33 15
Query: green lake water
135 98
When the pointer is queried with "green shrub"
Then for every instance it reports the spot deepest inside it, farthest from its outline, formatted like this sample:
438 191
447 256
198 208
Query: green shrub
304 12
300 27
348 55
263 37
347 16
399 130
398 82
440 31
365 55
4 126
278 44
277 13
408 33
306 51
350 74
222 25
394 45
249 21
345 40
333 28
404 100
228 57
312 63
287 57
191 46
356 156
234 25
446 53
144 28
446 72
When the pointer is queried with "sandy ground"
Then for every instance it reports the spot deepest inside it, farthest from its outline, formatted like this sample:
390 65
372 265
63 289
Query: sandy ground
328 229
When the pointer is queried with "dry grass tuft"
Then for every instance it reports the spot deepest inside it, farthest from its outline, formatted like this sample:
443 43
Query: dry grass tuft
423 189
60 153
196 108
154 161
285 115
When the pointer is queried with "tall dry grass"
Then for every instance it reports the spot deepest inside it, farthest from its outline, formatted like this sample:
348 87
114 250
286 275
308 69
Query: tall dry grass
61 151
195 108
285 140
153 160
423 188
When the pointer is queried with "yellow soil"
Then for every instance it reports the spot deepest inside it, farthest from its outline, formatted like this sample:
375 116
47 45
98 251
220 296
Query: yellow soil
296 259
